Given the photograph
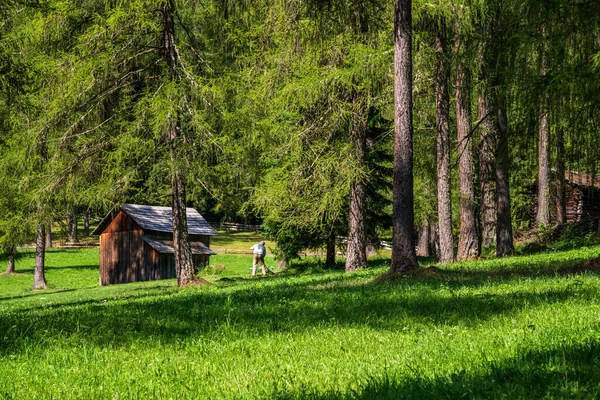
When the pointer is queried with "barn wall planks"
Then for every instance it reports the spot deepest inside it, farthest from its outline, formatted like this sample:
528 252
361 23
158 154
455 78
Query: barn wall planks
126 257
581 204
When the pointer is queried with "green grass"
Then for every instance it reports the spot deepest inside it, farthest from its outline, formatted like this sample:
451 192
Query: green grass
523 327
238 241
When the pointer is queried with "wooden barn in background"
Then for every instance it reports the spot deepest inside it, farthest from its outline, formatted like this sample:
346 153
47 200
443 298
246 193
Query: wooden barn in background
136 244
582 197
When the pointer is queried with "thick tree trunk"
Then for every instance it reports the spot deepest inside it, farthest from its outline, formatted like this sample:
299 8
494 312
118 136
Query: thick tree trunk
504 233
356 254
487 145
404 257
10 269
39 278
86 224
561 202
184 266
49 236
486 175
330 256
469 245
72 225
423 245
442 111
543 194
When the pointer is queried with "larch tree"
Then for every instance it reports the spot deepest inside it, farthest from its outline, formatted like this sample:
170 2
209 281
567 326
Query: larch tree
131 99
403 244
184 267
442 122
504 231
544 196
327 117
488 131
469 245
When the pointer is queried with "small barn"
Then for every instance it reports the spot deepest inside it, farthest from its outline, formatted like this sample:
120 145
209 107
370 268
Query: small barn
136 243
582 197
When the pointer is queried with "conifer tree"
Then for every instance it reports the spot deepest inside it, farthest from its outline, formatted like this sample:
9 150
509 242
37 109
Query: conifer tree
403 244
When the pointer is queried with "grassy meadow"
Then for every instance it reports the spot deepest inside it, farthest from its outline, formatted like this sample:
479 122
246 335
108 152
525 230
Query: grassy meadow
522 327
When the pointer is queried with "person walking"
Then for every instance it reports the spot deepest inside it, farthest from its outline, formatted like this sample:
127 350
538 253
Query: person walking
259 257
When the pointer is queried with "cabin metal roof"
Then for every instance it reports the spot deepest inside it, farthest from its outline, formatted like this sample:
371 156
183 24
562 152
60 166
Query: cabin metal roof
158 219
166 247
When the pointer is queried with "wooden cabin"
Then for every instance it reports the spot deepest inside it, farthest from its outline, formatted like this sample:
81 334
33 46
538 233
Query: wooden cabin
582 197
136 243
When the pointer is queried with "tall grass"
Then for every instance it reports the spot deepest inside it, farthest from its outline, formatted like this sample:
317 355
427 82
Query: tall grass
522 327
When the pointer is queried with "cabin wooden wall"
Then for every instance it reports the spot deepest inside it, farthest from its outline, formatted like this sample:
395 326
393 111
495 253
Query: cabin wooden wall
581 204
573 201
126 257
591 204
122 257
162 265
200 238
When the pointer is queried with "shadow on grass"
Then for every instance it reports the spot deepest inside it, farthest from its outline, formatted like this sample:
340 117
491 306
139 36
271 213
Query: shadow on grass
40 293
29 271
568 372
135 294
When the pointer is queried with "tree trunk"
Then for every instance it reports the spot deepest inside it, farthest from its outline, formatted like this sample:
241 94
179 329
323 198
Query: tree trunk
10 269
404 257
442 111
543 194
434 241
423 245
504 234
356 254
39 279
184 267
49 236
469 245
561 203
330 257
487 144
86 224
72 225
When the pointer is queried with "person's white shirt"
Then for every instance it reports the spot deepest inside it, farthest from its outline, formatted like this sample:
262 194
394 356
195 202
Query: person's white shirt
259 248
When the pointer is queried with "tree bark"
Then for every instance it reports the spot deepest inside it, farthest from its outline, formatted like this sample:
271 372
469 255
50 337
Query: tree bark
86 224
423 245
49 236
330 257
10 269
469 245
184 266
39 279
561 202
504 233
404 257
543 194
356 254
72 225
487 144
434 241
442 111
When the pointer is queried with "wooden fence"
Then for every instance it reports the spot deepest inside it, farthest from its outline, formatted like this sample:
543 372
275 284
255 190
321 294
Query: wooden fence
232 226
